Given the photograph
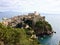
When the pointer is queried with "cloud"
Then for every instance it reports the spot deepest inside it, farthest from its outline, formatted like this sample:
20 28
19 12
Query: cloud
47 6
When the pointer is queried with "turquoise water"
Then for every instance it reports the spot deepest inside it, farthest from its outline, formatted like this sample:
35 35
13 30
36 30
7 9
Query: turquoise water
54 20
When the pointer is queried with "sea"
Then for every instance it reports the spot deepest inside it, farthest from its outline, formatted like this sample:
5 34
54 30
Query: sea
53 19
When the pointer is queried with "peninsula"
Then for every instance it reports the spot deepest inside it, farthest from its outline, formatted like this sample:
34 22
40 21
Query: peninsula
31 20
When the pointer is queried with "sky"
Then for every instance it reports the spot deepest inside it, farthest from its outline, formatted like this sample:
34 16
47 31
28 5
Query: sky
43 6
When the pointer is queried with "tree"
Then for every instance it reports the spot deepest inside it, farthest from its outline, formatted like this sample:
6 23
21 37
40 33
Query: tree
9 36
29 22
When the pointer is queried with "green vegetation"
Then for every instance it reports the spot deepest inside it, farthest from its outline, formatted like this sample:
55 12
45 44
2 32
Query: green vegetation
29 22
16 36
43 25
39 24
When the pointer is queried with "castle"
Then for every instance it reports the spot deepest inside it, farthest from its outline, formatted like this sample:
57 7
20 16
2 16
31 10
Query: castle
20 19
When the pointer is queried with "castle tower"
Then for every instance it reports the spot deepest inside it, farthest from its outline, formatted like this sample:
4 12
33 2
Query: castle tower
36 13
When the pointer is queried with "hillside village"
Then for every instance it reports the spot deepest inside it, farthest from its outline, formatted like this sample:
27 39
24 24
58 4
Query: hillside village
31 20
20 19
